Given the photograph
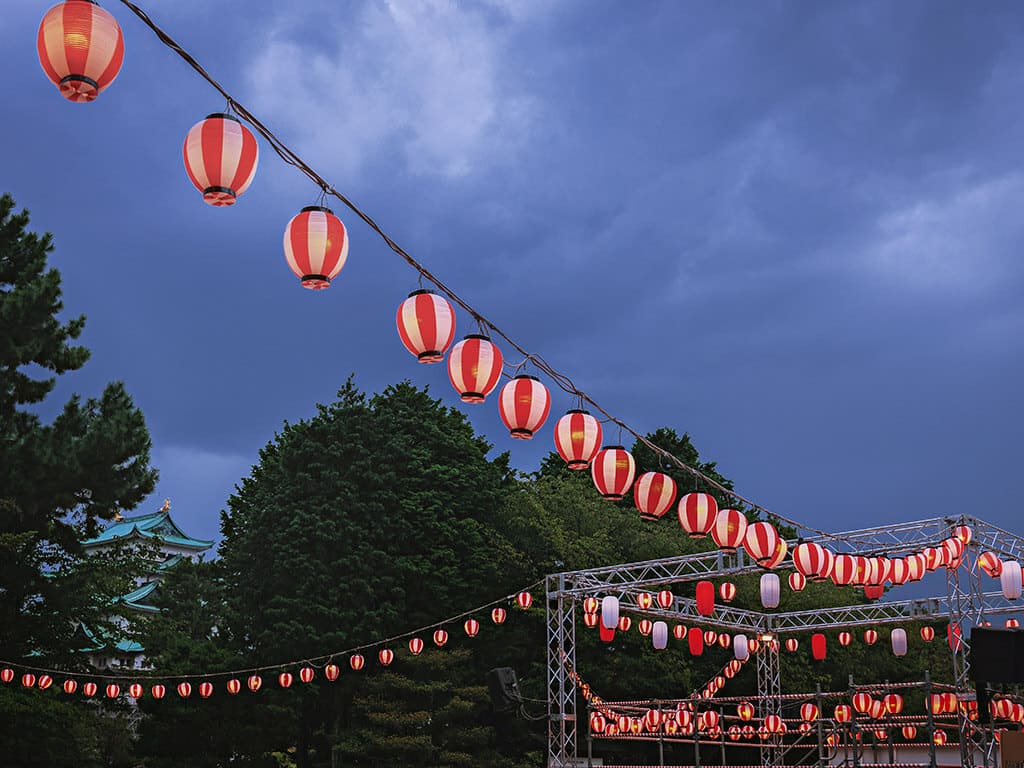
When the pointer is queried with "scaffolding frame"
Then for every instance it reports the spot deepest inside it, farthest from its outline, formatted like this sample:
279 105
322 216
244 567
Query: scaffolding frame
964 605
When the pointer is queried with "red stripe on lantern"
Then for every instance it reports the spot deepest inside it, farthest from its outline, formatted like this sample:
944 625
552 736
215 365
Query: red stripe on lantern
524 404
474 368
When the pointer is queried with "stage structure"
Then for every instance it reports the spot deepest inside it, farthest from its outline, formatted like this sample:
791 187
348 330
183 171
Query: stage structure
965 604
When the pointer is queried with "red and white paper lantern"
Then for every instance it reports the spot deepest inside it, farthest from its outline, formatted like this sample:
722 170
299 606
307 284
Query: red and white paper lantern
474 367
316 246
577 438
654 493
524 404
612 471
221 156
426 325
729 529
80 48
697 513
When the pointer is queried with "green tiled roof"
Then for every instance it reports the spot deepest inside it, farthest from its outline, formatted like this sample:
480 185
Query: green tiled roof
95 644
156 526
141 598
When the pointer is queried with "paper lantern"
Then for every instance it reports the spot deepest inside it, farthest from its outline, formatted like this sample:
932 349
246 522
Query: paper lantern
710 637
818 646
708 719
652 719
724 640
729 529
927 634
1012 623
735 732
610 612
184 690
843 570
761 542
113 691
659 635
877 571
778 556
474 367
770 590
909 732
578 438
28 680
524 404
877 709
792 644
679 631
752 644
653 494
881 734
80 48
899 571
954 636
70 686
591 620
645 627
745 711
748 732
774 725
990 563
624 624
157 691
205 689
440 638
873 592
285 679
590 605
331 671
963 533
695 640
607 634
671 726
44 682
1001 709
727 591
845 638
666 599
842 713
915 567
1010 579
612 471
644 601
705 598
797 581
893 703
740 647
524 600
233 686
932 558
471 627
697 513
899 642
6 674
306 674
426 325
805 728
356 661
862 702
870 636
498 615
954 551
221 156
939 737
809 711
254 683
809 558
597 723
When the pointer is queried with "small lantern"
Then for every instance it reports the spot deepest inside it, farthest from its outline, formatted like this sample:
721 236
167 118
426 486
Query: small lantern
590 620
356 661
809 711
770 590
877 709
610 612
679 631
1010 579
7 674
524 404
645 627
710 637
426 325
724 640
899 642
590 605
745 711
899 571
792 644
498 615
695 640
842 713
818 646
612 471
385 656
729 529
697 513
862 702
727 591
893 703
740 647
870 636
845 638
113 691
927 634
654 493
1012 623
440 638
578 438
939 737
624 624
285 679
70 686
607 634
644 601
331 671
415 646
990 563
705 594
666 599
472 627
28 680
797 581
233 686
44 682
254 683
80 48
306 674
474 367
909 732
915 567
761 542
205 689
157 690
316 246
843 568
659 635
524 600
184 690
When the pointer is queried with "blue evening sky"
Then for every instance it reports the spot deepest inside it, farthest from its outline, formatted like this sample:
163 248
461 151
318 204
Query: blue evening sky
791 229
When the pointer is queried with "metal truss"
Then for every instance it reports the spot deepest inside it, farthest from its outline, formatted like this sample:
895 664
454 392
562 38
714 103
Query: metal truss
769 692
964 605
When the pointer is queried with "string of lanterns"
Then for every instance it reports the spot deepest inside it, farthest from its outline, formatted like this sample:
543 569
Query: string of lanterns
252 678
81 50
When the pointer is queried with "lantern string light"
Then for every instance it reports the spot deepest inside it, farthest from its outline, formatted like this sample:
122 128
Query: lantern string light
321 660
563 381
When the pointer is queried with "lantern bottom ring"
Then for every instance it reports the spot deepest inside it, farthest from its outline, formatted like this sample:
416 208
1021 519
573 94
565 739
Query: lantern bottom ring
430 356
578 465
698 535
612 496
653 518
522 434
472 397
315 282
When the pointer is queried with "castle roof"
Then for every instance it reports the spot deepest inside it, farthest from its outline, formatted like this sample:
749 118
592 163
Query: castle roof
157 526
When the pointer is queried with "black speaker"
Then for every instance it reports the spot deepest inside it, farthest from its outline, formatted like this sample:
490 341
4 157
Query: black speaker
997 655
504 688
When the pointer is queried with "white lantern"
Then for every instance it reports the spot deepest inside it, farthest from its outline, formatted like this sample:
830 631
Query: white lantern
740 648
899 642
659 636
770 590
610 612
1010 579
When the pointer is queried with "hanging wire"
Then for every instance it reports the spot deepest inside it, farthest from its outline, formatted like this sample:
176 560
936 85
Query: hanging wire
561 380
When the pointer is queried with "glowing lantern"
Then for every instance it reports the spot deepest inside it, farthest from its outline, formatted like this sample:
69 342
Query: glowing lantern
710 637
590 620
770 590
881 734
184 690
741 647
415 646
331 671
624 624
7 674
636 725
254 683
774 725
809 711
927 634
426 325
845 638
70 686
797 581
954 636
724 640
577 438
44 682
804 727
870 636
708 720
652 720
915 567
157 690
659 635
113 691
440 638
612 471
899 571
898 638
644 601
862 702
792 644
666 599
697 513
1012 623
1010 579
524 600
729 529
472 627
234 686
1001 709
671 726
873 592
748 731
498 615
705 594
645 627
609 612
356 660
843 570
80 48
778 556
990 563
306 674
893 703
809 558
221 156
877 571
385 656
745 711
28 680
954 551
939 737
474 367
761 542
597 723
285 679
727 591
679 631
653 494
752 645
932 558
623 723
590 605
877 710
818 646
695 640
205 689
524 404
735 732
842 713
861 566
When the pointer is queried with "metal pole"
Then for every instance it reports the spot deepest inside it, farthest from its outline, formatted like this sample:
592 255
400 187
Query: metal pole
661 736
820 701
854 733
696 743
930 722
721 727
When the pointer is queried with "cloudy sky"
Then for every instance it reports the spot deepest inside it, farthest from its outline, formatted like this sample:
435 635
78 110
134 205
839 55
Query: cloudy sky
791 229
